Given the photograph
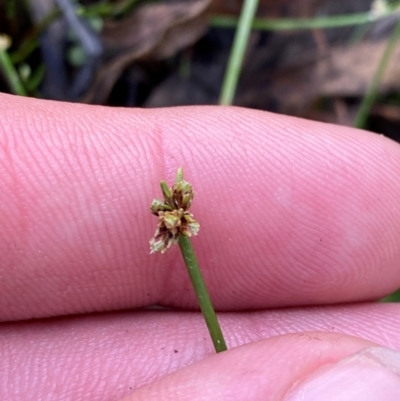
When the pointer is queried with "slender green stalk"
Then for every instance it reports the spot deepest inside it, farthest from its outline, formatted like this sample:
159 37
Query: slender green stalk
394 297
9 70
175 225
237 53
202 294
283 24
372 92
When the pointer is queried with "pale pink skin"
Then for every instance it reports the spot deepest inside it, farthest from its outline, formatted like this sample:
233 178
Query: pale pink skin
293 213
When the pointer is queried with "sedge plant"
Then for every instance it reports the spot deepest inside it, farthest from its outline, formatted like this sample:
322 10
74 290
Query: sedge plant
176 225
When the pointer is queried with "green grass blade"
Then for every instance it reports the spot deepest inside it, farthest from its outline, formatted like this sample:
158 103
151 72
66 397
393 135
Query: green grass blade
237 53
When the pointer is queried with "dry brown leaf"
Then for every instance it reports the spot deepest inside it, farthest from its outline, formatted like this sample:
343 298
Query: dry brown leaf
349 70
341 72
389 112
179 37
152 31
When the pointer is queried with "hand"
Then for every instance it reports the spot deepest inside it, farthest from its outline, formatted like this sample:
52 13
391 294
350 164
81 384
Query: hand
293 213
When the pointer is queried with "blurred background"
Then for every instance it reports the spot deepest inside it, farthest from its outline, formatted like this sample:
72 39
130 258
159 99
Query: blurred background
328 60
311 58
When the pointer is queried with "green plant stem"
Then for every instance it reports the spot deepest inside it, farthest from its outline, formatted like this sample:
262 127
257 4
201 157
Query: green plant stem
202 294
394 297
282 24
11 74
372 92
237 53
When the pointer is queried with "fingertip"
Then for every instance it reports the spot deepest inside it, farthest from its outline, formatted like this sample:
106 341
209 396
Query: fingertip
268 368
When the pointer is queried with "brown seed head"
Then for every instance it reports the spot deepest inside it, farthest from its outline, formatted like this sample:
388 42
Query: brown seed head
173 214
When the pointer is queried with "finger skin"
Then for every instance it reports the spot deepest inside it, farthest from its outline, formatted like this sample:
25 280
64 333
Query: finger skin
254 372
292 212
104 357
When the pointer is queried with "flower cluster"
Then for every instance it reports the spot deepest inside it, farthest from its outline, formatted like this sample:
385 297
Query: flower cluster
173 214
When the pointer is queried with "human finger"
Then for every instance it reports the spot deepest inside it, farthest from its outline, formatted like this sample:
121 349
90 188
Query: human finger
292 212
107 356
310 366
